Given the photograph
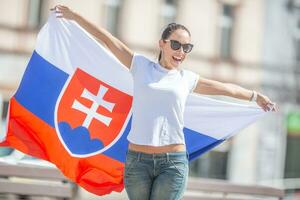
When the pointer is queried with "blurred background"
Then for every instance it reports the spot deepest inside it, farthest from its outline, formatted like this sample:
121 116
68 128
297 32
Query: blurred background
253 43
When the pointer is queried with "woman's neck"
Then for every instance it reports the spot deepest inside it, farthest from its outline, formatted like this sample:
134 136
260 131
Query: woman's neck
164 65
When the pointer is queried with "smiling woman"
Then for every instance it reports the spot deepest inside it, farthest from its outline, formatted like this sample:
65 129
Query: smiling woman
174 53
156 164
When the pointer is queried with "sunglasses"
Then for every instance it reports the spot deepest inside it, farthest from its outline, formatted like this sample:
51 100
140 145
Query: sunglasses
175 45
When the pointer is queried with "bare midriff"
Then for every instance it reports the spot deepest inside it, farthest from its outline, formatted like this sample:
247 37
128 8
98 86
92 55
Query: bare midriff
157 149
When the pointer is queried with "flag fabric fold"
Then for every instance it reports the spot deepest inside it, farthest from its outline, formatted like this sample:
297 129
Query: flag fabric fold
73 108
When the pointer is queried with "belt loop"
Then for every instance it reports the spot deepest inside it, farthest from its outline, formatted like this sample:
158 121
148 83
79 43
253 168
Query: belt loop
188 155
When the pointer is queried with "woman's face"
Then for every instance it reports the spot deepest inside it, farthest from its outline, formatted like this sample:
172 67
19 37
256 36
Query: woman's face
172 58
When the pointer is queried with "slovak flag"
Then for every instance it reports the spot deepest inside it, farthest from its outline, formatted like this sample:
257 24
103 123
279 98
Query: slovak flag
73 108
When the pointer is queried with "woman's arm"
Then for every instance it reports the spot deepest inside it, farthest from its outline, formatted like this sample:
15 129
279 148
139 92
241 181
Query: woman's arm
119 49
211 87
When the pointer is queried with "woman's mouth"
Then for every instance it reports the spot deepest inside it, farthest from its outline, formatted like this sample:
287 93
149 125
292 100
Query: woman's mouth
177 59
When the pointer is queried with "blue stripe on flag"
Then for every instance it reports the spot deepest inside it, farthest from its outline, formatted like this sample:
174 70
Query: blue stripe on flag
40 88
198 143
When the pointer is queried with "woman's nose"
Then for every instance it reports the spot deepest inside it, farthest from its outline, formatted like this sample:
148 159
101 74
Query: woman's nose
181 50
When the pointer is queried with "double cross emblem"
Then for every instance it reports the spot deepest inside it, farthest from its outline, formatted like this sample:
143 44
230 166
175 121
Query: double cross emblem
91 113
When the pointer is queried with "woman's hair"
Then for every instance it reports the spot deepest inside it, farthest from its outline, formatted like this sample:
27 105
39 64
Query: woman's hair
169 30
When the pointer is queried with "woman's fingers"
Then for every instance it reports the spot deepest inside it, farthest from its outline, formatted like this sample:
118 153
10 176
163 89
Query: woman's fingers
63 12
274 109
270 106
59 7
265 103
62 6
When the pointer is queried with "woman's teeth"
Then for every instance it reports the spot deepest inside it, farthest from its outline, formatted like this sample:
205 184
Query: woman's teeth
178 59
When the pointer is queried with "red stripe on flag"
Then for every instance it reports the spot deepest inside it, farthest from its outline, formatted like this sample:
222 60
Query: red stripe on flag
98 174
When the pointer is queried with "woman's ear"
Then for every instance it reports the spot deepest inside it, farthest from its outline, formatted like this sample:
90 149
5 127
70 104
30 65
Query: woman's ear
161 44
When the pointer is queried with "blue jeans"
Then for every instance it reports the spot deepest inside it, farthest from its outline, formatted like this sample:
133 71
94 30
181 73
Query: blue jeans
155 176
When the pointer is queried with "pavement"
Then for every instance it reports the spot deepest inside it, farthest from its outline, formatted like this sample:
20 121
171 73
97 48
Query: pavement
84 195
81 195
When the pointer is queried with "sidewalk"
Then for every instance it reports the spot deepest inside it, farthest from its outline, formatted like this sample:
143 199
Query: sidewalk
84 195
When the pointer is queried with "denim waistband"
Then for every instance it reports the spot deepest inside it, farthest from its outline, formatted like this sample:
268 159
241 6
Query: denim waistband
147 156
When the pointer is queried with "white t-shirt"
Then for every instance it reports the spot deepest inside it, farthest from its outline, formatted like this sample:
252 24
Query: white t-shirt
159 97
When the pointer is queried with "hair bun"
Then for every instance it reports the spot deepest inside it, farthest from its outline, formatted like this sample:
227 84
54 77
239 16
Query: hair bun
172 24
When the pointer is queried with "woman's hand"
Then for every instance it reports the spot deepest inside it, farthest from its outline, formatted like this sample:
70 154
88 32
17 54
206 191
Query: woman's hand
265 103
64 12
118 48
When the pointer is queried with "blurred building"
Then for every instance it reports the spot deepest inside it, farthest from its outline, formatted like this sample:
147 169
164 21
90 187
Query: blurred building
279 148
253 43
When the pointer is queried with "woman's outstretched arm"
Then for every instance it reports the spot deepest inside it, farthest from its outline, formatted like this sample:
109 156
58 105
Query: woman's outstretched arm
211 87
118 48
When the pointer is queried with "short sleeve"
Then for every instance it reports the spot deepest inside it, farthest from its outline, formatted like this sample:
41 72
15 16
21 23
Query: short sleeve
192 80
137 62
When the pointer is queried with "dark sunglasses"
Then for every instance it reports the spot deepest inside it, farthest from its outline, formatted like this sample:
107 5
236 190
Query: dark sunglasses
175 45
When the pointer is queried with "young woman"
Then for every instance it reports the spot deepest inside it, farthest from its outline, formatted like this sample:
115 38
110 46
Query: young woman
156 163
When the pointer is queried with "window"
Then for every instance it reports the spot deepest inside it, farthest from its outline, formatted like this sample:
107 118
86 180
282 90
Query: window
210 165
34 13
293 4
168 12
292 161
298 41
112 14
298 50
226 29
293 7
4 110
